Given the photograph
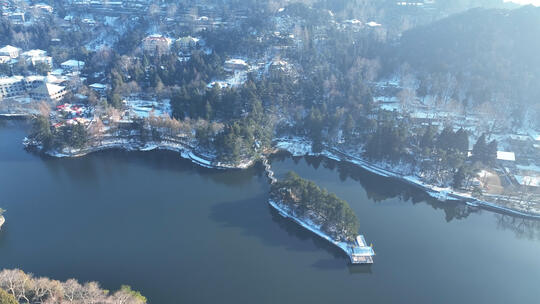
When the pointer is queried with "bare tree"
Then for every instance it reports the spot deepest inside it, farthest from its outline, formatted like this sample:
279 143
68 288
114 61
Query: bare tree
72 289
17 283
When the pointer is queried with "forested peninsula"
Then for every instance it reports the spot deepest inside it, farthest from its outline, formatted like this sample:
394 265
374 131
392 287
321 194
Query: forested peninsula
308 202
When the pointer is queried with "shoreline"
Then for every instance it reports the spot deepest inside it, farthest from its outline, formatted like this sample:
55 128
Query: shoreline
345 247
303 148
184 150
297 147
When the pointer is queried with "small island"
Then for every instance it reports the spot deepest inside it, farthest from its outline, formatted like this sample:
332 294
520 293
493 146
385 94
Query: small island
321 212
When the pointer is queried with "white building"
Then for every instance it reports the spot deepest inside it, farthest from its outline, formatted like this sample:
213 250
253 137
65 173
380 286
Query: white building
5 59
44 8
236 64
49 92
188 42
99 88
156 44
10 51
12 86
72 65
528 181
38 87
506 156
16 18
37 56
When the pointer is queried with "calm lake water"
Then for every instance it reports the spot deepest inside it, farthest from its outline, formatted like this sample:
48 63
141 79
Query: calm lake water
184 234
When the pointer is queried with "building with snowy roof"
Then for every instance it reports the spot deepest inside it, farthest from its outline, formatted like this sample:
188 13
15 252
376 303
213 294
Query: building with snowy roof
528 181
11 86
10 51
506 156
16 18
235 64
156 44
37 56
48 92
72 65
186 43
5 59
99 88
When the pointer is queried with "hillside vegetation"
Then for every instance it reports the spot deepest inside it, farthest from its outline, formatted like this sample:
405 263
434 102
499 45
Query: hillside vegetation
489 55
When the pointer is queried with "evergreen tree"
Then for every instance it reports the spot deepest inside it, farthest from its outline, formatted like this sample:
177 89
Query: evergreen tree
479 150
491 152
428 138
41 131
459 178
462 141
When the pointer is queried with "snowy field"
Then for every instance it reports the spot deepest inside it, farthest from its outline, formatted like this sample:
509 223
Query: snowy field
143 108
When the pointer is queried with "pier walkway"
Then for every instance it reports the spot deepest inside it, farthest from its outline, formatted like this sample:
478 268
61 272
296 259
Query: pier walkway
269 171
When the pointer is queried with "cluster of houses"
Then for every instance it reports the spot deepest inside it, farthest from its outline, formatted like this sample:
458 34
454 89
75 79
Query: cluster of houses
52 87
24 15
522 166
70 114
11 55
157 44
48 88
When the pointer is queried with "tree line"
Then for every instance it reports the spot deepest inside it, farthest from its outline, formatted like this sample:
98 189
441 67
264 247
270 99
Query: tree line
17 286
307 200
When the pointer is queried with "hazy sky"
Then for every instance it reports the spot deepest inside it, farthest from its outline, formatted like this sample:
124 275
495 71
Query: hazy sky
533 2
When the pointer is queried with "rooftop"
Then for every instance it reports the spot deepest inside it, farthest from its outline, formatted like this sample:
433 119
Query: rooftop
73 63
35 53
9 49
503 155
10 80
531 181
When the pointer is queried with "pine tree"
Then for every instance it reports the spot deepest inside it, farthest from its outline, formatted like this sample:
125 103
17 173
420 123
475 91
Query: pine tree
462 140
491 152
480 148
428 139
459 178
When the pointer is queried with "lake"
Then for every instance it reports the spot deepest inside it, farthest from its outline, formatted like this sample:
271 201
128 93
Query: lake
180 233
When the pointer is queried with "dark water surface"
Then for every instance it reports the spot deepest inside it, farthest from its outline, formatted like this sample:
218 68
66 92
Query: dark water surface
183 234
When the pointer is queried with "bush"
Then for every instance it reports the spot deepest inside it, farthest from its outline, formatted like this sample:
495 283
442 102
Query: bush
6 298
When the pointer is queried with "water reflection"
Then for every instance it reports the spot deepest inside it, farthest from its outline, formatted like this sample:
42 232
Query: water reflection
522 227
380 189
118 161
233 214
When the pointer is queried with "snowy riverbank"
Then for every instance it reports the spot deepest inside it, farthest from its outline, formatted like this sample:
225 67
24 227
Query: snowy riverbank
286 213
301 147
185 151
